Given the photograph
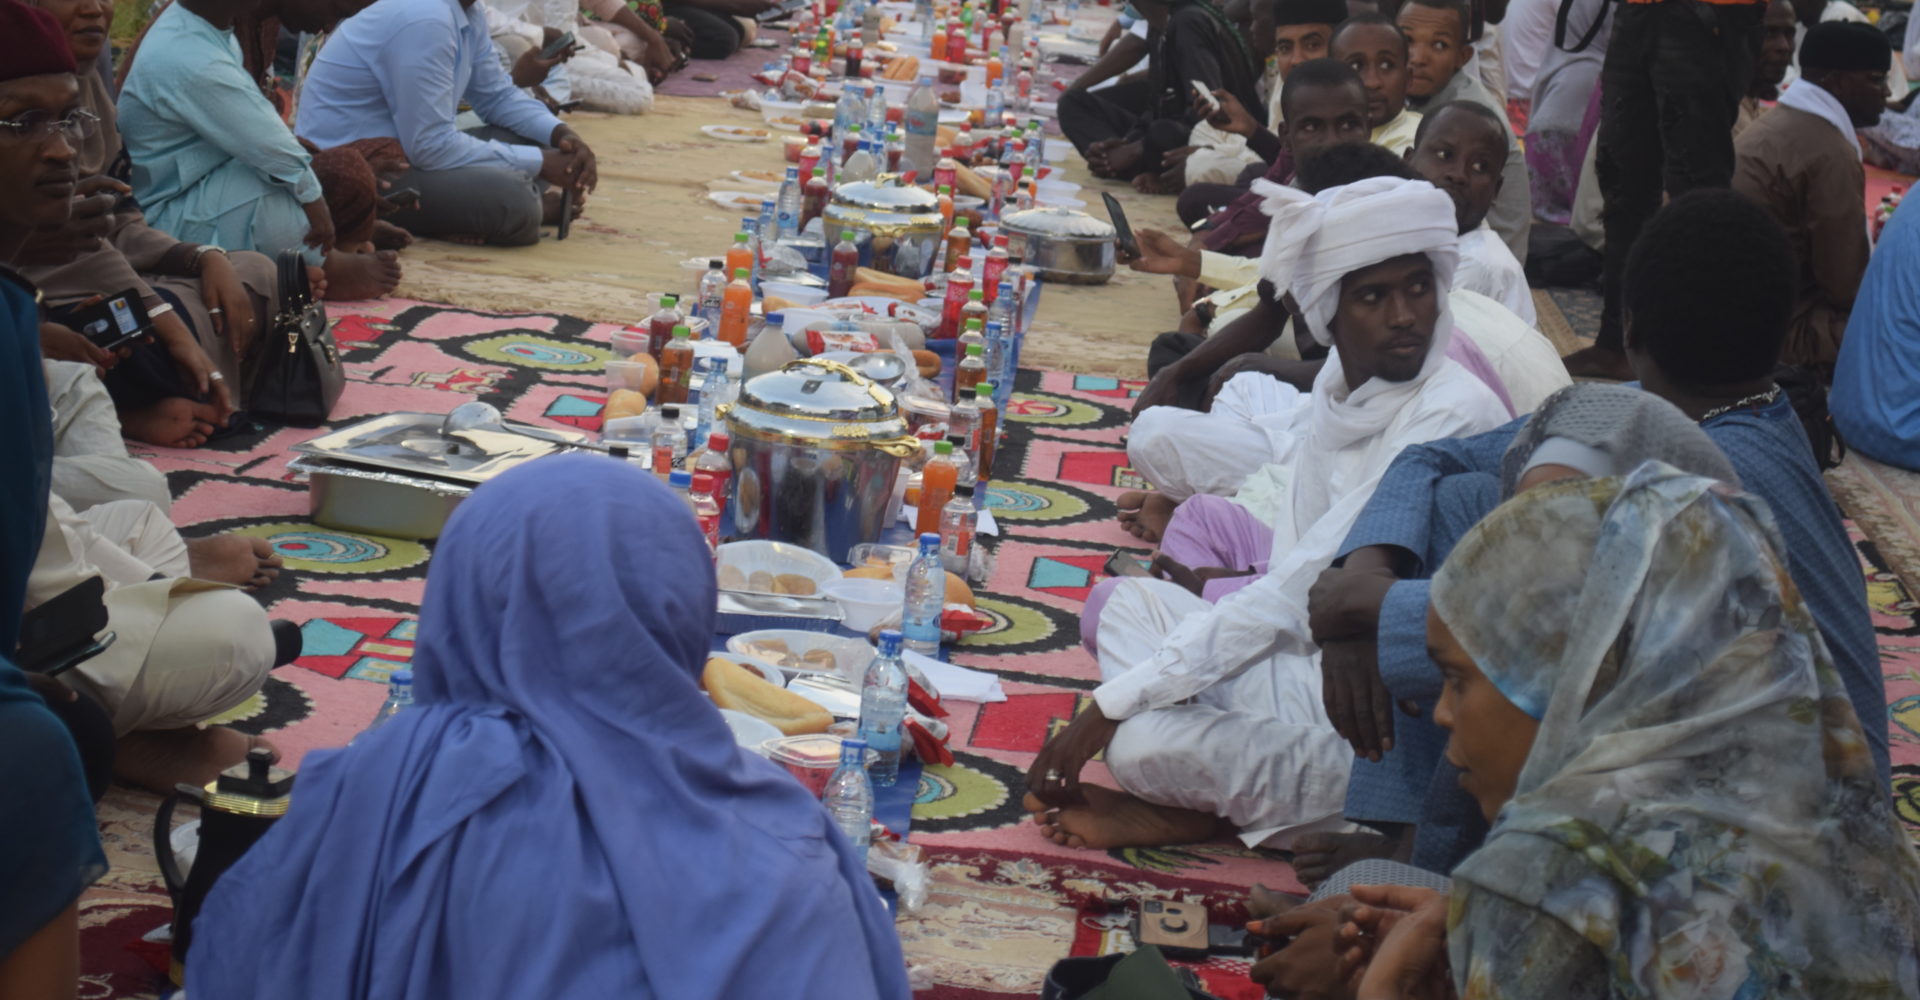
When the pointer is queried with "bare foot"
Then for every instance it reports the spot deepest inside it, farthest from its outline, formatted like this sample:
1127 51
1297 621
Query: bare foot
317 281
1265 904
550 207
1598 362
159 759
1145 513
237 559
174 422
1317 856
1113 819
355 276
387 236
464 239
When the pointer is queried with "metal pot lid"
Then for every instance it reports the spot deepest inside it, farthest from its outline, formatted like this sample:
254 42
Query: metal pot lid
885 196
814 389
1061 223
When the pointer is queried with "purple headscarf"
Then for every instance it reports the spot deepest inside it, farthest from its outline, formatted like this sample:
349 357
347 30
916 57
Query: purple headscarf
563 813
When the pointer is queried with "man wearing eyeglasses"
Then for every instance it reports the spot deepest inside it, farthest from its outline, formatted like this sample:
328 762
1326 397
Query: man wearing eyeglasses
1801 161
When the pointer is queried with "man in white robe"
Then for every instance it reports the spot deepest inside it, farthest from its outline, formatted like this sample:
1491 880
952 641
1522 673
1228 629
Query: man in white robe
1210 714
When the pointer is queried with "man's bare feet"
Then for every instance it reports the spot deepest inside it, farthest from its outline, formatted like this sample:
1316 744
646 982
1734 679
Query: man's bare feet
1317 856
355 276
387 236
1598 362
1112 819
174 422
1145 513
1265 904
550 207
159 759
241 560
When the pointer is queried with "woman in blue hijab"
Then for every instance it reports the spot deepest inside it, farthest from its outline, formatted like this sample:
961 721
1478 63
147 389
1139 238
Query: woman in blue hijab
563 813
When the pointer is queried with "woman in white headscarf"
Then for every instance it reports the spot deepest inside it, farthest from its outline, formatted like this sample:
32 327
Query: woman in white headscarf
1682 797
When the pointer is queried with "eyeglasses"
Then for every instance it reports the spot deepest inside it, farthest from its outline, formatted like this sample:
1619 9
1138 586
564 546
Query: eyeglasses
39 126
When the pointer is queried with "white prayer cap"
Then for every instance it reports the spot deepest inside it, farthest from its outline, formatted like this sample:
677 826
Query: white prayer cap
1316 240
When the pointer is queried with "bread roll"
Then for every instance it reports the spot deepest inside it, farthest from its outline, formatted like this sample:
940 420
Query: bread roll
795 584
734 686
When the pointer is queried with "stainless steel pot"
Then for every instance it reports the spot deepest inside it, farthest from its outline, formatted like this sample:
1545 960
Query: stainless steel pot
1064 245
816 447
896 228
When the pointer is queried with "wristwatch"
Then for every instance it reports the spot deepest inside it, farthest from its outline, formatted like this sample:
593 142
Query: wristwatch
193 262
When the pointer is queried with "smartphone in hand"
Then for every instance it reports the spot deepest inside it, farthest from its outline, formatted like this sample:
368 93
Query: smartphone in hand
112 322
1123 233
557 46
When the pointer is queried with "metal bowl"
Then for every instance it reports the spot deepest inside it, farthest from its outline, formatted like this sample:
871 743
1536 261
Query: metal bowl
1064 245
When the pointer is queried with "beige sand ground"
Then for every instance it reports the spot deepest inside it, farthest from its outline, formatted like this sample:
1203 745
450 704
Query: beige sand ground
651 212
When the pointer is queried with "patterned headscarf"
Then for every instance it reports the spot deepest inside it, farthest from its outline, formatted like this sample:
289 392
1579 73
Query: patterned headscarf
1699 804
1630 425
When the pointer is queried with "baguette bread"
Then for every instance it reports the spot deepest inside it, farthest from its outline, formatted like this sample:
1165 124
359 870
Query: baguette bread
734 686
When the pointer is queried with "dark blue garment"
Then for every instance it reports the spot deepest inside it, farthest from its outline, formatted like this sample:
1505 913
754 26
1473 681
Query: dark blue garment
563 813
49 844
1769 451
1876 383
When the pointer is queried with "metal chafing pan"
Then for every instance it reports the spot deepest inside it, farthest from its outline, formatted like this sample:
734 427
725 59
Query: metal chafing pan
1066 246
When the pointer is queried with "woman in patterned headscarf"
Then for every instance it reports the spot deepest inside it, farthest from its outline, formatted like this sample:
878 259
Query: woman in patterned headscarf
1682 798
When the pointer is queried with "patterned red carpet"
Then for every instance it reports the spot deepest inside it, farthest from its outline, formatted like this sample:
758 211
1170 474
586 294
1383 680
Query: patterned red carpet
1005 904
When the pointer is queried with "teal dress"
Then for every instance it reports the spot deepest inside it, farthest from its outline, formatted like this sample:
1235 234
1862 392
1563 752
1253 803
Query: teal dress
212 161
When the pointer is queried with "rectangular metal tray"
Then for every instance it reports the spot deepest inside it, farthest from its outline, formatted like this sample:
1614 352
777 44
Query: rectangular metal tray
377 501
411 443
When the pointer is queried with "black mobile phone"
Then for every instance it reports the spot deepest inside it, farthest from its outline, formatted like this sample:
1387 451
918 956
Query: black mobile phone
1123 233
404 199
1228 940
566 214
113 321
62 630
1124 563
557 46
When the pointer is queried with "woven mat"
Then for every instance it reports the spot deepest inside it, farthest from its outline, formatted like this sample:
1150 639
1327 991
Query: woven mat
1885 502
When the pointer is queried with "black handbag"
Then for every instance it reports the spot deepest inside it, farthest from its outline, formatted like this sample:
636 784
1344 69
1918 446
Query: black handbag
299 377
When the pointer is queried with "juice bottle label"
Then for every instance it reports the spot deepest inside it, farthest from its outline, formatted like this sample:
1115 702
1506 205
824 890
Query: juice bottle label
923 122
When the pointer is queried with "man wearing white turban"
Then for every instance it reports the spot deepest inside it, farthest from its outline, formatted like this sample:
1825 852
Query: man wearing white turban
1210 713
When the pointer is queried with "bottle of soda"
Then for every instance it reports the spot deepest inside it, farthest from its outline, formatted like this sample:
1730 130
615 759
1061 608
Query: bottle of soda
669 441
813 201
937 480
971 371
706 510
926 595
660 325
740 255
849 798
995 264
883 707
959 283
846 261
736 309
989 434
717 461
676 367
956 530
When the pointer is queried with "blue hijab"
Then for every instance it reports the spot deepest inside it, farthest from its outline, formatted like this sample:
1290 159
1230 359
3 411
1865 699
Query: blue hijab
563 813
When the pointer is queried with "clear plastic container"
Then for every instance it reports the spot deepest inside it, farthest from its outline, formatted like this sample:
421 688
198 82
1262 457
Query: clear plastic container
811 759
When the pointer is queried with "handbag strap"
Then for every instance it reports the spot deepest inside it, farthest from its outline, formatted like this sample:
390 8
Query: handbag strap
1560 27
296 290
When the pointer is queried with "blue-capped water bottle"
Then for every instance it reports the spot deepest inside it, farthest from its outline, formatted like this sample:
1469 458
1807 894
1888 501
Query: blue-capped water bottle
849 797
399 699
883 707
926 596
786 207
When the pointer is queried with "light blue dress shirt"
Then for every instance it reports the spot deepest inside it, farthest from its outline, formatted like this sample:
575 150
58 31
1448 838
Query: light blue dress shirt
400 68
212 161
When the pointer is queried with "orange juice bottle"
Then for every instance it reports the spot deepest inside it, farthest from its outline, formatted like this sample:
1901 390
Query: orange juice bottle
936 488
945 201
937 45
741 253
735 307
993 69
676 367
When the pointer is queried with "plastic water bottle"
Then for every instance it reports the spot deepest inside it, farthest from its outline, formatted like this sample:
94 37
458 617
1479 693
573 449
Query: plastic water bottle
787 207
712 292
923 122
861 166
926 598
883 706
849 797
957 521
680 481
876 110
852 110
399 698
713 384
923 13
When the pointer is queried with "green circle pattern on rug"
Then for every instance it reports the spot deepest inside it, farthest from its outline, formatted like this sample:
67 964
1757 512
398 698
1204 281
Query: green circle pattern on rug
1025 501
532 351
312 549
974 793
1014 624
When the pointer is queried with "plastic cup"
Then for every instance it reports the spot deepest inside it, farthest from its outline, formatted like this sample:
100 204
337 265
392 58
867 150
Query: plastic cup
628 343
625 375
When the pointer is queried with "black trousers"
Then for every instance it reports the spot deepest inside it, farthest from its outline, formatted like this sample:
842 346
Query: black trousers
715 36
1170 347
1671 87
1120 112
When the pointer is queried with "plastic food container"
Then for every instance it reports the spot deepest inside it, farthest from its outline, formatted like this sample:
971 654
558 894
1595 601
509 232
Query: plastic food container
865 603
899 557
788 650
764 567
810 758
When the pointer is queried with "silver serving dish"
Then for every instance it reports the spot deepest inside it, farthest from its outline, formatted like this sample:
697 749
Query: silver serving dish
1064 245
896 228
402 474
816 447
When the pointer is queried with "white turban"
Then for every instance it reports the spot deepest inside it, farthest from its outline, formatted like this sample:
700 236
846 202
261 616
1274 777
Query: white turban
1316 240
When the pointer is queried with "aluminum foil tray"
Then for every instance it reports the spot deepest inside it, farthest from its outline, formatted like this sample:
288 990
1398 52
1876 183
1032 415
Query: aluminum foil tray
411 443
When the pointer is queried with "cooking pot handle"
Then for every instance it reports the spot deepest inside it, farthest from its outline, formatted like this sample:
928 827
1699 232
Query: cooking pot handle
879 392
163 837
905 446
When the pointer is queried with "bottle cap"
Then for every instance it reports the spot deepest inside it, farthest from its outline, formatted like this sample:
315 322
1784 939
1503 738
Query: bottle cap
973 350
968 392
846 745
740 273
741 237
958 442
681 332
401 677
617 451
670 411
716 265
983 389
973 324
943 447
930 539
977 294
946 189
820 172
669 301
963 489
703 482
890 639
846 236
